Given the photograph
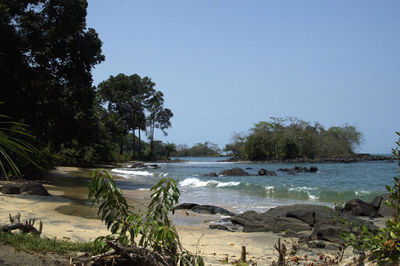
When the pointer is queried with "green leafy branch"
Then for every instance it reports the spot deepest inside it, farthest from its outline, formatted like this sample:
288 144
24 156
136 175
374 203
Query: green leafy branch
153 229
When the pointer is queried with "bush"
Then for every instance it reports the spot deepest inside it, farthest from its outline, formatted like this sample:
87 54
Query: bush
152 230
384 245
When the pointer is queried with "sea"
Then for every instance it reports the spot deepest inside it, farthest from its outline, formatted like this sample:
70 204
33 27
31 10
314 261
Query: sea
334 183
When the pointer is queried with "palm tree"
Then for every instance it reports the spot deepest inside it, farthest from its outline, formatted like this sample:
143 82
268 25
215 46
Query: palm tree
12 144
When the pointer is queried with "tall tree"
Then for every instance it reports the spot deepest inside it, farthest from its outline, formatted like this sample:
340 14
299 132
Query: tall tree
46 57
159 117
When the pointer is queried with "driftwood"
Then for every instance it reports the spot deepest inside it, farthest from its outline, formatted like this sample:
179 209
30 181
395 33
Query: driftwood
28 227
137 255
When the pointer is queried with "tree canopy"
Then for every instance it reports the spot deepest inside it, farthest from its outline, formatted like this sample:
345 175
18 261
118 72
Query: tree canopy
46 57
290 138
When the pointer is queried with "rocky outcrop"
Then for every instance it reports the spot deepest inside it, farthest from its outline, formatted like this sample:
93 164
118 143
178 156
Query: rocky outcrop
380 204
236 171
359 207
322 222
263 171
10 189
212 174
204 209
299 169
25 188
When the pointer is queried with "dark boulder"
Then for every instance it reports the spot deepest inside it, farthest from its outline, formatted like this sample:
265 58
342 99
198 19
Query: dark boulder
34 189
10 189
329 232
262 222
234 172
265 172
380 204
204 209
299 169
359 207
212 174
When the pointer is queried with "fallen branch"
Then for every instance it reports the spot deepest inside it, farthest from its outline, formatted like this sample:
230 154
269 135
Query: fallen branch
28 227
138 256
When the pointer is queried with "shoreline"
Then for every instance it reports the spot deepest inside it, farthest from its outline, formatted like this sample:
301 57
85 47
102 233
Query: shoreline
66 215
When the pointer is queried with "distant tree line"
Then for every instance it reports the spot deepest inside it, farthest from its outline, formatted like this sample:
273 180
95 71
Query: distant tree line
47 54
200 149
290 138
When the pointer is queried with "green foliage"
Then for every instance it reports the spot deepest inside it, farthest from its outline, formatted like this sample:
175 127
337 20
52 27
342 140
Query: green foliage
46 57
200 149
153 229
133 104
290 138
13 144
384 245
31 242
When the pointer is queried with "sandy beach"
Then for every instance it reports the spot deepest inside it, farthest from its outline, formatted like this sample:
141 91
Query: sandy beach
66 215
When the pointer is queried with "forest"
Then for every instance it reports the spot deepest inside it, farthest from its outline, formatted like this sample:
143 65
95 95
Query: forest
47 94
290 138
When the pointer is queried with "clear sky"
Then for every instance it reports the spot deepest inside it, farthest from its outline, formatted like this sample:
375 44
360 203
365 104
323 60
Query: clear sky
225 65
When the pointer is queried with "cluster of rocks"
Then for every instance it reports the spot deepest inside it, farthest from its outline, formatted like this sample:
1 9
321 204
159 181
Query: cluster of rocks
299 169
263 171
144 165
316 226
30 188
236 171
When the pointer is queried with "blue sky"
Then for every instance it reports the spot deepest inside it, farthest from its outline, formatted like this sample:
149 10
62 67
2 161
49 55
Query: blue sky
225 65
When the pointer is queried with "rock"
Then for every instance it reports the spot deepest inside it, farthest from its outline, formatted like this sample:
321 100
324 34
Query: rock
34 189
308 213
204 209
10 189
212 174
383 209
234 172
219 227
265 172
316 244
360 208
329 232
299 169
262 222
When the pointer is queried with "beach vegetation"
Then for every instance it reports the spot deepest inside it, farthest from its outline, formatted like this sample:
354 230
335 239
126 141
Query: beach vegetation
291 138
15 146
384 245
32 242
151 230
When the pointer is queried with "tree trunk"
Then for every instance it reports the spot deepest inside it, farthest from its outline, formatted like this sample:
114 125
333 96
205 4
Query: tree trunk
133 143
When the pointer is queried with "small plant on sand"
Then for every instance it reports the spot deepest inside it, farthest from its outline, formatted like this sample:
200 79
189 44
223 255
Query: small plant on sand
384 245
149 236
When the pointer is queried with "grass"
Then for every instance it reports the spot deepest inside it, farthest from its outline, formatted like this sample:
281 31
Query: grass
29 242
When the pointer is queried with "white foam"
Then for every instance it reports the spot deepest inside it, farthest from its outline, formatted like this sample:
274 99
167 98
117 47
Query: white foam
195 182
361 192
131 172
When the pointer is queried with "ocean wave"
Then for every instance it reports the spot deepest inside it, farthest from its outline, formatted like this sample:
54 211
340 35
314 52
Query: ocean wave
195 182
360 193
131 172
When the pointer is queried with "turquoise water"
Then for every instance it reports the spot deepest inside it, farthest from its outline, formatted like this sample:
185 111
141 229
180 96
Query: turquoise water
355 180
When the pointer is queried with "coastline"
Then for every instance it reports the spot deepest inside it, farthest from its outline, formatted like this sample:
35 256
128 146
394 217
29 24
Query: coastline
66 215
